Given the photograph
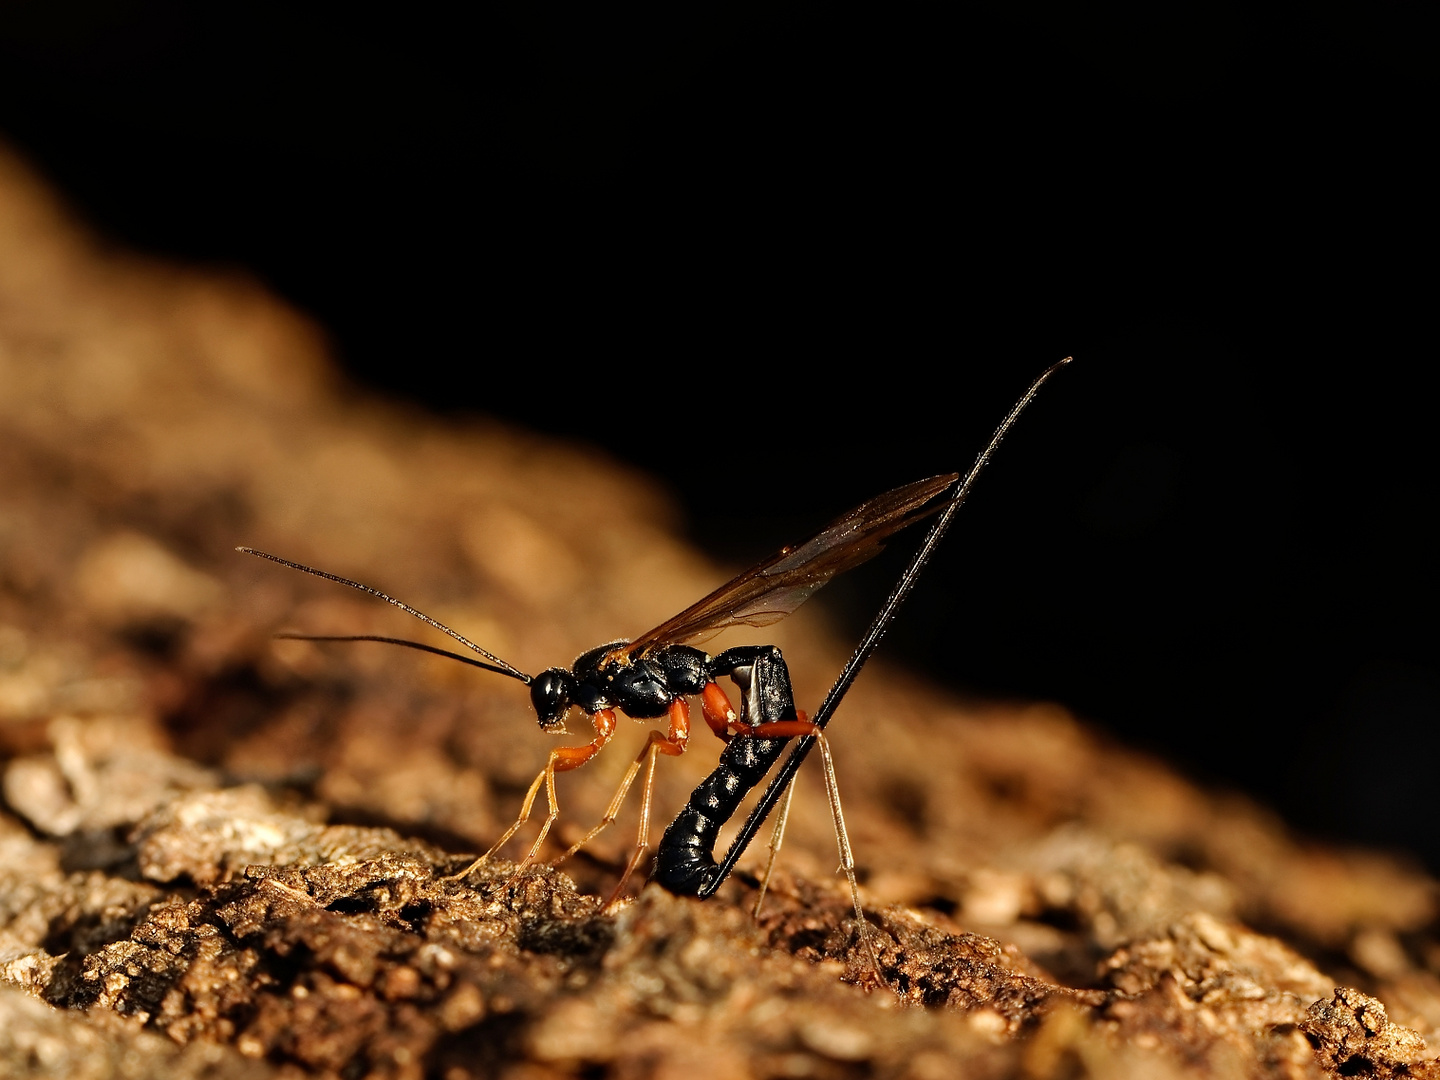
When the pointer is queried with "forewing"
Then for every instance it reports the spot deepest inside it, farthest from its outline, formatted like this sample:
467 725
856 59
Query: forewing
766 593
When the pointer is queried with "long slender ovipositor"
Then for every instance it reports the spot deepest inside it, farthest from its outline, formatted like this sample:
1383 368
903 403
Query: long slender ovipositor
685 860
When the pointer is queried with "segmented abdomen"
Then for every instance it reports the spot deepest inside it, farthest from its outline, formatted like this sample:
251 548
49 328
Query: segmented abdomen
685 861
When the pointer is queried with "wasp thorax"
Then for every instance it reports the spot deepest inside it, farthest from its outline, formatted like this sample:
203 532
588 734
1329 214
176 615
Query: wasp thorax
550 693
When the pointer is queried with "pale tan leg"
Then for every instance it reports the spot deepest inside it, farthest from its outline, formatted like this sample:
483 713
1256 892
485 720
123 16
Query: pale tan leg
521 820
847 859
671 744
801 725
561 760
777 837
613 810
642 840
554 804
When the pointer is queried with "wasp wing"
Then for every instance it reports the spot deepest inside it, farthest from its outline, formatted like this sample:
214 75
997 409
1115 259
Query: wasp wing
766 593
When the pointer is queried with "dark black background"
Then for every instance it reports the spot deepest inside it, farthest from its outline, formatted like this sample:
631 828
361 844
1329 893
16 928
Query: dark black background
785 255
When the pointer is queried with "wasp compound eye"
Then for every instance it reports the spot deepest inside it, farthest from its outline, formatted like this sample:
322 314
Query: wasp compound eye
550 694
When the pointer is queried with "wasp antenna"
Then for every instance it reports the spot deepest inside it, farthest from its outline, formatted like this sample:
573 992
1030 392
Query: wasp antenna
500 666
396 641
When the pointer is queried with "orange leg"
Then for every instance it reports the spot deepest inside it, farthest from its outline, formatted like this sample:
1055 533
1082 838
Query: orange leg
718 712
562 759
782 729
671 744
778 729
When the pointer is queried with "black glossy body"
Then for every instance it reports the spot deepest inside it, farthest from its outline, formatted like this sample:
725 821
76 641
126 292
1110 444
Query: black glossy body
685 860
642 688
645 687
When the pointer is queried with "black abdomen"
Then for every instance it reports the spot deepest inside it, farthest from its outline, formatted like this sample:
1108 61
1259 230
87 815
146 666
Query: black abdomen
685 859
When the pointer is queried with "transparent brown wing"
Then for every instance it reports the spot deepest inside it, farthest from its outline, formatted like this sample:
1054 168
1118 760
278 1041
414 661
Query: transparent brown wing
766 593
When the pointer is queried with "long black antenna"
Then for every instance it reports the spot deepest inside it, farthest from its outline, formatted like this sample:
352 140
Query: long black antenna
500 665
420 645
871 639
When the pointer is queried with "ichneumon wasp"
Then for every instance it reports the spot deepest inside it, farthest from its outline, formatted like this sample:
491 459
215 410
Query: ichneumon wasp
654 675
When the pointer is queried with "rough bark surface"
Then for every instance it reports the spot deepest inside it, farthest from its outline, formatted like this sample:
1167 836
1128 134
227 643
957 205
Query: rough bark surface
223 855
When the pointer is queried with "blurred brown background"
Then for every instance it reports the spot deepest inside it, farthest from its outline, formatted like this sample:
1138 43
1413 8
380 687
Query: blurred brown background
788 255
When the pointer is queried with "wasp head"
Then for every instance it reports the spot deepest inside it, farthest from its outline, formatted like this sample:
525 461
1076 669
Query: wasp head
550 693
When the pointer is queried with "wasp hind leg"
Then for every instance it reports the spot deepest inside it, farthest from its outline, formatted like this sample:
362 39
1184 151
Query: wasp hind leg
777 837
802 726
847 858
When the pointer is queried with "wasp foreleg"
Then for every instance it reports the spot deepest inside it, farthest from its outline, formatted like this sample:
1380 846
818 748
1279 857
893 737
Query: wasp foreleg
561 759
